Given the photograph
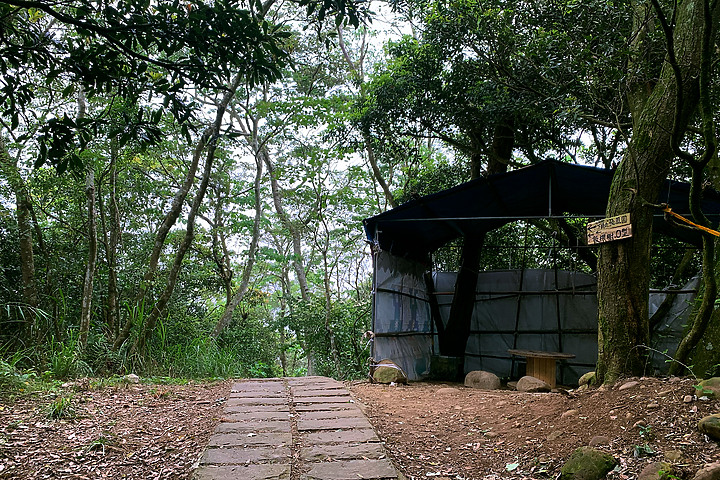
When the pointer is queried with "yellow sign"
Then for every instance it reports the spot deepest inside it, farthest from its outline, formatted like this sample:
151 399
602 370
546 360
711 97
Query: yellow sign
609 229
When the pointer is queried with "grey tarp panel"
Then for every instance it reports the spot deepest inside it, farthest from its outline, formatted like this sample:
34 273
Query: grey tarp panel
551 315
540 318
549 318
401 317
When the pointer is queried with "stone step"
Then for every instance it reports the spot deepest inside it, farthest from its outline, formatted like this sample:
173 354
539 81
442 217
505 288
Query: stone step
333 439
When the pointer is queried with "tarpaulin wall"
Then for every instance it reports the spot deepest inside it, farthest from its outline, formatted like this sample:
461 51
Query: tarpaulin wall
401 316
523 309
547 310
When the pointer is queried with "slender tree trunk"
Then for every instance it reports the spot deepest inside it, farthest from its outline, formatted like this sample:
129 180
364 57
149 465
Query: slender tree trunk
163 230
112 246
23 209
87 296
298 264
250 262
209 140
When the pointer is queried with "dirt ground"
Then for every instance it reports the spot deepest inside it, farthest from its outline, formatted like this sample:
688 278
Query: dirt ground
121 432
443 431
432 431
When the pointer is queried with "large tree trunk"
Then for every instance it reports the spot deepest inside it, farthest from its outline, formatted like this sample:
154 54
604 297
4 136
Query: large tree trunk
453 340
623 266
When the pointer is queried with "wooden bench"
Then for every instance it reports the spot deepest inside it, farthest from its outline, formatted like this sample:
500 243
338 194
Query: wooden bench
541 365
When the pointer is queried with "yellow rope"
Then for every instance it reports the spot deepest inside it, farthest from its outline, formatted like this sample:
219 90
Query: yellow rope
667 209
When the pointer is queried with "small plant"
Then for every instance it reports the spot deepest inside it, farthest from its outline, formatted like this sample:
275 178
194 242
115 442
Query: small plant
643 451
12 379
646 432
99 444
60 408
702 391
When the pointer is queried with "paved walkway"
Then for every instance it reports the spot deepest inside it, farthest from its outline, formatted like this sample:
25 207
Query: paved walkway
304 428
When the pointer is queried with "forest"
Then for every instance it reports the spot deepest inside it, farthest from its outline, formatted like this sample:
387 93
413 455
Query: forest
183 184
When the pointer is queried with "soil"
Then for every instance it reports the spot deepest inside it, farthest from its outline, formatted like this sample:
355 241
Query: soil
435 431
447 431
129 431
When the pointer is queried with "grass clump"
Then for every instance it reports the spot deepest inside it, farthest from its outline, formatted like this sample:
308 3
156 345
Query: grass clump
61 408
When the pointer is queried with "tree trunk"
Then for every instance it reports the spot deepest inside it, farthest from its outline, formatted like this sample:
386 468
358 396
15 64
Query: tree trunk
23 209
453 340
623 266
298 264
161 235
112 246
210 139
87 296
247 271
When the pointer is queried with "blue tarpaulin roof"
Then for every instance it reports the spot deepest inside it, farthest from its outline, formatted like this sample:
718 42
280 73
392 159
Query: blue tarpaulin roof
549 188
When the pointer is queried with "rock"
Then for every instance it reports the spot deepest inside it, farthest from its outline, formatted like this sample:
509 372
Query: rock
482 380
627 385
587 379
131 378
446 390
710 426
658 471
599 440
710 387
387 371
532 384
709 472
569 413
640 424
587 463
674 456
688 399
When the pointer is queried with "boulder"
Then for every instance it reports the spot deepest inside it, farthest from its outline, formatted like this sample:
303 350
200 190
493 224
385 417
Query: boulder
709 472
658 471
387 371
587 463
587 379
710 426
709 387
532 384
482 380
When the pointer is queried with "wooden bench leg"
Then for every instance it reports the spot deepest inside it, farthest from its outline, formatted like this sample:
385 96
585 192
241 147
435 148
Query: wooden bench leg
542 368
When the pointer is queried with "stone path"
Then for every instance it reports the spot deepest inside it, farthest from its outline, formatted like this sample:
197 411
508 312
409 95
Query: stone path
294 429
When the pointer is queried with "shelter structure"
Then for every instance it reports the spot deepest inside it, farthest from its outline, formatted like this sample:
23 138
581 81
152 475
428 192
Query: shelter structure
546 310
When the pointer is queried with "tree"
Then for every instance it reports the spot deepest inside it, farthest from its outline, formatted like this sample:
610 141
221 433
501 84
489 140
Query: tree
662 108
